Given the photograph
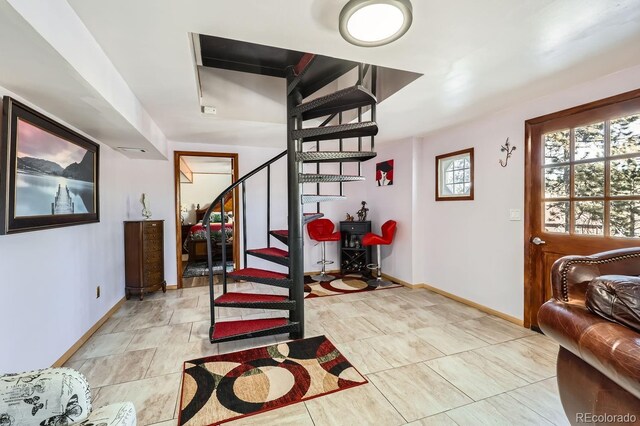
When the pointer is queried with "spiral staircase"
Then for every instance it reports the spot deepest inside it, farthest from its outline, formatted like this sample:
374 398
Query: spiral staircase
305 136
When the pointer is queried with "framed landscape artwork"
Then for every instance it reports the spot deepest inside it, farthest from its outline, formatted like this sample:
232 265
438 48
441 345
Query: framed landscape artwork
49 172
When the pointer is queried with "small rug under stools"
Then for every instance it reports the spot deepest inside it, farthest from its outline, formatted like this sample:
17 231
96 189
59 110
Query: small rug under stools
342 284
224 387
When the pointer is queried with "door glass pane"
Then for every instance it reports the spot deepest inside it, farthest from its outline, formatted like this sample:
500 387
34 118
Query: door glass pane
589 217
625 135
589 141
556 182
556 217
625 218
589 179
625 176
556 147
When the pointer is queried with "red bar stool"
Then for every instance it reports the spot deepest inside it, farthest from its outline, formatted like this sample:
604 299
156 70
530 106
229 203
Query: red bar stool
321 230
371 239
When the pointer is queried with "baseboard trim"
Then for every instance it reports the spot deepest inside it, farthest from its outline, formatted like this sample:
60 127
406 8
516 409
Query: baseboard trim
68 354
172 287
332 271
467 302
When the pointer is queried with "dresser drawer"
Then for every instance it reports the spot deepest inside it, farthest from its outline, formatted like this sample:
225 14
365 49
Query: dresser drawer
355 227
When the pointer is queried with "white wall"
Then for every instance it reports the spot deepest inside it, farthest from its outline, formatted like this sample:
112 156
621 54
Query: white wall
200 192
471 248
49 277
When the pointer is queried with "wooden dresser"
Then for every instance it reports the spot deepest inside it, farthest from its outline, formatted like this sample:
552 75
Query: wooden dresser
144 257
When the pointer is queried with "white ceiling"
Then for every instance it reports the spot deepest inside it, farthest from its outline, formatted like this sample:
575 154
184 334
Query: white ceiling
476 56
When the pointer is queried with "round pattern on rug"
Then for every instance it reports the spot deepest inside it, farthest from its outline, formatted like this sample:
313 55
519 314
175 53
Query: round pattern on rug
228 386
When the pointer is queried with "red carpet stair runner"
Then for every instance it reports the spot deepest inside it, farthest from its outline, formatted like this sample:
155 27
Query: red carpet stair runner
311 73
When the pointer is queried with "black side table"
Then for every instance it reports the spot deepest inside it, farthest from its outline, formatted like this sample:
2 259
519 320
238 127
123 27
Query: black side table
354 257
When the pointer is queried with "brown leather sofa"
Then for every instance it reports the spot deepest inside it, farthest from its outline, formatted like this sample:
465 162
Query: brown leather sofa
599 360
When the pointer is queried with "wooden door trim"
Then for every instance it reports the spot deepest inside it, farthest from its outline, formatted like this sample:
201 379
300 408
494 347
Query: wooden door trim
236 207
533 290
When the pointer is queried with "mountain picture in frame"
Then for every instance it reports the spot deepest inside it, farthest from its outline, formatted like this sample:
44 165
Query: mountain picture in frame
51 176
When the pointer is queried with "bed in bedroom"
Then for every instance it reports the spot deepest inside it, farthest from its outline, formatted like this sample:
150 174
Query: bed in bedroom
196 241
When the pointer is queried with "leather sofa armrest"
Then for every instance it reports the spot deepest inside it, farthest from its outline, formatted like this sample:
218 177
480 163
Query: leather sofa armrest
570 275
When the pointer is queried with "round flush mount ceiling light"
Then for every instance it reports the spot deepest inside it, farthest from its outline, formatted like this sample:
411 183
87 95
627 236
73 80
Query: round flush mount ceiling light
371 23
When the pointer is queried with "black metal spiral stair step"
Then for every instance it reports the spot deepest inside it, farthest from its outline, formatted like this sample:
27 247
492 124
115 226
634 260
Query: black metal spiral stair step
323 178
281 235
318 72
261 276
334 156
271 254
340 131
244 329
319 198
342 100
255 301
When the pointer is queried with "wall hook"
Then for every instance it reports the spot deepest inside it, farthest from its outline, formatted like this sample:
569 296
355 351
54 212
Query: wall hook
509 150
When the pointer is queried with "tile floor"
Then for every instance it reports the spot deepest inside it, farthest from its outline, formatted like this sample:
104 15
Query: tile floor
429 360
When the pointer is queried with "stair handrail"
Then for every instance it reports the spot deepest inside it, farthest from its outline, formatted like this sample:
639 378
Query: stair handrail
206 220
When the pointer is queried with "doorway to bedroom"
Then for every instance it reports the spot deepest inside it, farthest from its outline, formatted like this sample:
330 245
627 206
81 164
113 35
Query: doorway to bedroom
200 177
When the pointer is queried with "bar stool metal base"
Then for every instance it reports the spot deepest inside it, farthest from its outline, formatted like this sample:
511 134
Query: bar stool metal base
378 281
323 276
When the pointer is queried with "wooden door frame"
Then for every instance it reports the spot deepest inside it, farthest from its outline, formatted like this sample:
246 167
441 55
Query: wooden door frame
533 285
236 208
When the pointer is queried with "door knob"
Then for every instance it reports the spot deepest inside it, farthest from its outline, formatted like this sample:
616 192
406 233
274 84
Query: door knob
538 241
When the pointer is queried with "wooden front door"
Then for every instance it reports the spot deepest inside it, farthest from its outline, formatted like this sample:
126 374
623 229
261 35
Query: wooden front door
582 188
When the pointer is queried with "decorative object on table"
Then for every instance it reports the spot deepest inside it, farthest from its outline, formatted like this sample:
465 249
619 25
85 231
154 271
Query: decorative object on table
454 176
384 173
362 213
342 284
146 213
144 257
56 396
354 259
223 387
50 173
349 218
388 231
508 149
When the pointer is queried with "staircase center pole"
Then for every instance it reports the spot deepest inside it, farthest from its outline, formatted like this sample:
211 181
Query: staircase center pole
296 249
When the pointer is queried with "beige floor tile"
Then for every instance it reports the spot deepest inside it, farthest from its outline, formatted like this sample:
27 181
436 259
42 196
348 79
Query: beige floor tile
424 297
387 322
416 391
158 336
476 376
173 422
292 415
154 318
353 309
255 342
348 330
497 410
390 304
363 356
543 398
532 363
170 358
154 398
362 405
200 331
103 345
449 338
400 349
456 312
75 365
120 368
108 326
180 316
495 330
438 420
420 318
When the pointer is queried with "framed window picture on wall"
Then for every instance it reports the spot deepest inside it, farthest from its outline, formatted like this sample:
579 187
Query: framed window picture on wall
454 176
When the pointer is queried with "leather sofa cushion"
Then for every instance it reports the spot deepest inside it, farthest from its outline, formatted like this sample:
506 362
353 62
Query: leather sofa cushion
616 298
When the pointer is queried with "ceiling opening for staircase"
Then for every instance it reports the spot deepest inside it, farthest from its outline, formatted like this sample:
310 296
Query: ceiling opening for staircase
247 81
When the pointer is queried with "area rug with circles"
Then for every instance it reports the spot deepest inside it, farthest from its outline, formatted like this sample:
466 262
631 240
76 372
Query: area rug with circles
342 284
221 388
